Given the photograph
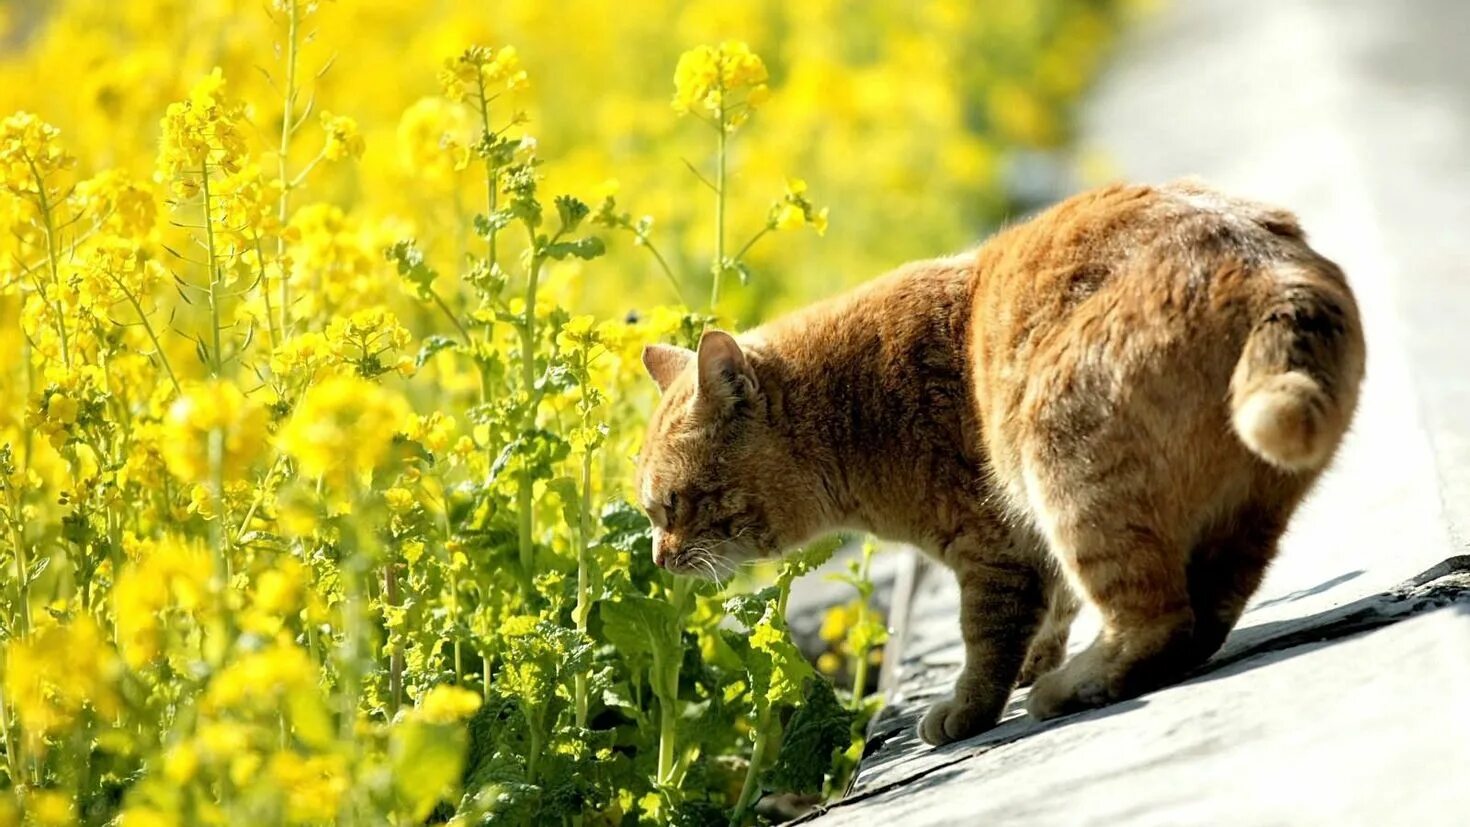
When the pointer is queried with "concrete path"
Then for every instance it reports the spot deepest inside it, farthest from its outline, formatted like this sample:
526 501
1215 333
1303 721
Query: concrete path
1344 696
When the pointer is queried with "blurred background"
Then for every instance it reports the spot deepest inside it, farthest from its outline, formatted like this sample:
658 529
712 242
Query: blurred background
921 125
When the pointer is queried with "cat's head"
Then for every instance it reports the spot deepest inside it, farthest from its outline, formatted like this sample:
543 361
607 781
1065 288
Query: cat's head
715 476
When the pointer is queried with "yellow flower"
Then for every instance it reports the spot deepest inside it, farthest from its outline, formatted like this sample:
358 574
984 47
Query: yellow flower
343 140
335 263
434 137
434 431
279 590
279 595
120 205
55 673
172 574
837 621
50 808
343 429
202 134
28 148
366 340
220 740
61 409
302 357
724 83
245 210
829 663
399 500
480 74
796 210
213 410
258 678
789 217
313 785
579 333
180 763
447 704
145 816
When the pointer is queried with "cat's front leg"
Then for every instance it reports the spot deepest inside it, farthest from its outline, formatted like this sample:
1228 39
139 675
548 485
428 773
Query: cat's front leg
1001 605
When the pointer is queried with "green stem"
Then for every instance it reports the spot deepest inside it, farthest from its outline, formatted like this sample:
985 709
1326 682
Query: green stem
43 201
395 657
492 173
584 577
663 263
283 209
218 355
524 502
751 243
10 744
265 293
255 504
453 319
860 669
148 328
752 774
218 539
534 759
668 734
22 564
714 293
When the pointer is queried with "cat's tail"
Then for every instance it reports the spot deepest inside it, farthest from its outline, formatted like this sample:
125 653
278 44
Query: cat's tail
1296 384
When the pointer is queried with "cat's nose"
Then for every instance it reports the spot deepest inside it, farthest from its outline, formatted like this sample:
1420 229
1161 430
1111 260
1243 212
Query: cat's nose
659 558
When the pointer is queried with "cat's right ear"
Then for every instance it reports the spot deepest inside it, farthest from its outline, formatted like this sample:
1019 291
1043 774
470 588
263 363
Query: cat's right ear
665 362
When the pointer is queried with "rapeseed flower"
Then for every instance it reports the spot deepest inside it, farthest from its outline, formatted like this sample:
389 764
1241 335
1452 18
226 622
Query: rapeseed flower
343 429
208 413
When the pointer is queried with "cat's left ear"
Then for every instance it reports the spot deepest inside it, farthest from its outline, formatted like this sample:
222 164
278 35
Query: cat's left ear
665 363
725 375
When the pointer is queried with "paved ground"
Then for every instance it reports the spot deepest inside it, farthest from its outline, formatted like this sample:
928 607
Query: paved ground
1342 698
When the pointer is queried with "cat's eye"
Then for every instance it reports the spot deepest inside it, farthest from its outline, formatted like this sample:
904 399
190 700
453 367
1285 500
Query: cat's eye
671 505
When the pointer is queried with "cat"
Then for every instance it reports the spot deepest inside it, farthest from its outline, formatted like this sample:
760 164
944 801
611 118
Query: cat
1120 401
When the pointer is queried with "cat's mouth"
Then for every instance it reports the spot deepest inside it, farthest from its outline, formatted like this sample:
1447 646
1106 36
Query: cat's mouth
716 561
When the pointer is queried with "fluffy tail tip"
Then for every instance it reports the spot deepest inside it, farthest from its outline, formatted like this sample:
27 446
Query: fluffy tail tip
1286 420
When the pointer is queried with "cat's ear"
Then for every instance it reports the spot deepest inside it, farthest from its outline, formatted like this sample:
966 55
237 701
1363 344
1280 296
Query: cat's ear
725 375
665 362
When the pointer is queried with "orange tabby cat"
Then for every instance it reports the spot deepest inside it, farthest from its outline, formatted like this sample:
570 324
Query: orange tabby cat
1121 400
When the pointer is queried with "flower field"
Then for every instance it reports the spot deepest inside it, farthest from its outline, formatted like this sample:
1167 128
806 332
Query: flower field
323 386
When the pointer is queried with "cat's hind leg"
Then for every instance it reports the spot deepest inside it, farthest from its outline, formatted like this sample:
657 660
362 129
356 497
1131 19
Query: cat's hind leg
1118 548
1228 562
1049 648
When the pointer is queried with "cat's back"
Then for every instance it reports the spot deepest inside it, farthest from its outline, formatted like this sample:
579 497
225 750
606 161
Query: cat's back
913 317
1127 269
1119 318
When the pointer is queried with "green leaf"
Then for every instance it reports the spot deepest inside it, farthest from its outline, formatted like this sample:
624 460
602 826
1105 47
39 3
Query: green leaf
636 624
742 271
412 266
750 608
626 528
778 669
570 496
809 558
820 727
640 625
571 212
427 762
310 720
485 225
584 248
431 346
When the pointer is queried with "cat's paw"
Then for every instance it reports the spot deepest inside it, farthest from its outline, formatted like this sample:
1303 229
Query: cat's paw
1065 691
1039 661
953 720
